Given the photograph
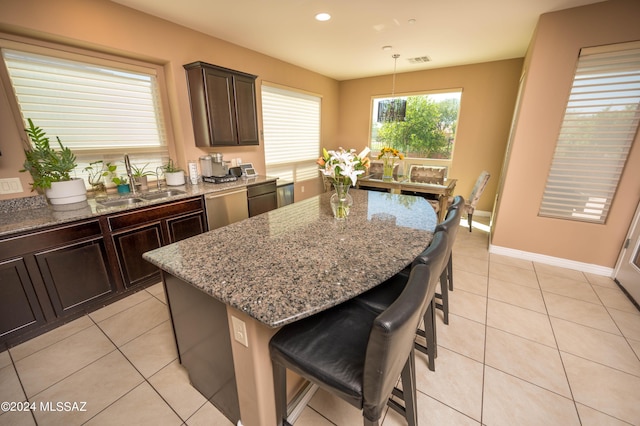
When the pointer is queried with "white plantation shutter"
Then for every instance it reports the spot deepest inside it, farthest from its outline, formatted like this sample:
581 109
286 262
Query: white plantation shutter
98 111
599 126
291 124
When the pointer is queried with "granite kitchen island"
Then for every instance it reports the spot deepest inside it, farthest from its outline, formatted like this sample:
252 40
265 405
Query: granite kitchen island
229 290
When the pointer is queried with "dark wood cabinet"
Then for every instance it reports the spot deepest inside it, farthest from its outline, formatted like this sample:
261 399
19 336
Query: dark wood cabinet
53 275
183 227
130 245
223 105
262 198
75 275
20 310
142 230
49 275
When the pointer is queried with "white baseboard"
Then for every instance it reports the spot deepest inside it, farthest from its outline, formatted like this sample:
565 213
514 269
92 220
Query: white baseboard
554 261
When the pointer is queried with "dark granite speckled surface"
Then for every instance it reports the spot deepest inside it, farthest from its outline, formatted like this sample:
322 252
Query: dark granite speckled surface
292 262
32 213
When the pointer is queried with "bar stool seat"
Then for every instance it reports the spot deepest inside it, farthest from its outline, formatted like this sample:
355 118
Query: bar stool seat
380 297
355 352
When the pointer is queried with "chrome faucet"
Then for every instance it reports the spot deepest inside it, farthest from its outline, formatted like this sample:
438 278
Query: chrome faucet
127 165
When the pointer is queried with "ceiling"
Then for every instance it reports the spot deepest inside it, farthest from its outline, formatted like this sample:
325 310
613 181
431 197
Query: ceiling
349 45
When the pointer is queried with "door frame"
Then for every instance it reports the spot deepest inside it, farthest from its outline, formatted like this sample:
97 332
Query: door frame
626 273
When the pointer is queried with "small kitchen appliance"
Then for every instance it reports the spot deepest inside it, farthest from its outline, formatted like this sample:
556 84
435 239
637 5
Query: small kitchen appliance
219 166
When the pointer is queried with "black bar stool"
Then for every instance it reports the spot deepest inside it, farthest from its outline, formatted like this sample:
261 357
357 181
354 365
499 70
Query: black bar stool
355 352
382 296
450 225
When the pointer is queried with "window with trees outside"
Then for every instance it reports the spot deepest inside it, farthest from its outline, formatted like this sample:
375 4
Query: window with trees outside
421 126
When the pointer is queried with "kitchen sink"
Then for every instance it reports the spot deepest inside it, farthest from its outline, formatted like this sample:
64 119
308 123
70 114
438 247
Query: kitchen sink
161 194
119 202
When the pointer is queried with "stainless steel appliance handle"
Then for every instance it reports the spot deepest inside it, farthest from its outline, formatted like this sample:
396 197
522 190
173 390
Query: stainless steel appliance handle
225 193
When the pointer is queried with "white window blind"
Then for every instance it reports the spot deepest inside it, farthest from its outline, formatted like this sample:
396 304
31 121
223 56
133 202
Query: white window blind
291 123
99 112
599 126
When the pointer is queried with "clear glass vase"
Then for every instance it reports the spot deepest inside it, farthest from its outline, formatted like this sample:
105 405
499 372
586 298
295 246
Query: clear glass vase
341 201
98 187
388 164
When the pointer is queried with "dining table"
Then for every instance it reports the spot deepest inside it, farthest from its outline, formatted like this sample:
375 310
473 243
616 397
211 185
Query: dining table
229 290
408 184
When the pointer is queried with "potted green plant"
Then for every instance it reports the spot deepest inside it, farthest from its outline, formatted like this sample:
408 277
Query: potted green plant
122 184
97 171
173 175
51 169
140 175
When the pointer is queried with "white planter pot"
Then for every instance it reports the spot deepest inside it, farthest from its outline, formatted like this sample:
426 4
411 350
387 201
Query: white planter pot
67 192
174 179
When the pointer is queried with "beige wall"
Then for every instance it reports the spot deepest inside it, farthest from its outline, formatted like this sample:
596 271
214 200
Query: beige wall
488 98
550 65
108 27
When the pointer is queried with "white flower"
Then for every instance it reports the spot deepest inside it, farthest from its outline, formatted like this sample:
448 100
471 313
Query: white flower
342 165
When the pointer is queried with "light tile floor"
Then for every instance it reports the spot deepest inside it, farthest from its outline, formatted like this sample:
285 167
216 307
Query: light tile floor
527 344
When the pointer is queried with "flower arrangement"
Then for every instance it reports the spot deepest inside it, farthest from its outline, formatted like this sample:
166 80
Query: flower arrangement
390 153
343 166
389 156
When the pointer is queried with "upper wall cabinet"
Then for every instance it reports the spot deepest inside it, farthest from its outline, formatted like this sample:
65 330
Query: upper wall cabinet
223 105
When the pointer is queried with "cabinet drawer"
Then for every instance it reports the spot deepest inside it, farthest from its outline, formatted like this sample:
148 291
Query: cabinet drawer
152 214
260 189
15 246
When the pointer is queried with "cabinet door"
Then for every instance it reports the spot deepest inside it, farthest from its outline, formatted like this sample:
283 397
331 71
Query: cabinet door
185 226
19 307
75 275
246 115
262 203
130 246
221 109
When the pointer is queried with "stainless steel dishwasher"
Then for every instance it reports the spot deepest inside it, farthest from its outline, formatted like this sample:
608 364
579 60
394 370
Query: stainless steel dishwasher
226 207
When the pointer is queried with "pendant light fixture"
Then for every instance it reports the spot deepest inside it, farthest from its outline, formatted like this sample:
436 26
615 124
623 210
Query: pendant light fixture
393 109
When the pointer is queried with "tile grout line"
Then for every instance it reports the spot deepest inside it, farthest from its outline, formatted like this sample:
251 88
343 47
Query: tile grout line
144 379
562 361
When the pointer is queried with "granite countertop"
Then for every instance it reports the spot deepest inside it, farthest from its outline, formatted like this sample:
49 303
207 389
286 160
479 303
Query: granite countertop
32 213
292 262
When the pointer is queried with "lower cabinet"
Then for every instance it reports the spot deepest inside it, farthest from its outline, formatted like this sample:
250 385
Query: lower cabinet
262 198
142 230
130 246
75 275
48 275
20 310
52 275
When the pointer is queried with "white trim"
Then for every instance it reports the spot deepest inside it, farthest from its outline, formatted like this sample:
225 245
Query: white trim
553 261
481 213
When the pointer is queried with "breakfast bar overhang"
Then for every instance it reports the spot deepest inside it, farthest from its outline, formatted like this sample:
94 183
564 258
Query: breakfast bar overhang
240 283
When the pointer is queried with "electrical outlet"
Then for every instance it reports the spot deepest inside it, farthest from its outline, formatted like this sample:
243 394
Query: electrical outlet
302 188
239 331
10 186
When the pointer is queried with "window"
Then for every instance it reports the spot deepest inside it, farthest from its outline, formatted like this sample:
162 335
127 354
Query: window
599 126
422 126
291 124
99 109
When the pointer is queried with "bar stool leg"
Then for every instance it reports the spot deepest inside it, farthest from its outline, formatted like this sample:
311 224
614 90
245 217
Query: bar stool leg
444 297
280 389
409 390
450 271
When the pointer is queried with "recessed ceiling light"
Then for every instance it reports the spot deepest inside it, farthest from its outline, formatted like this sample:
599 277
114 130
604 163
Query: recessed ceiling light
386 48
323 16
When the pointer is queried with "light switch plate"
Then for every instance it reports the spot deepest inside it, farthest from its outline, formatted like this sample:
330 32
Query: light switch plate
239 331
10 186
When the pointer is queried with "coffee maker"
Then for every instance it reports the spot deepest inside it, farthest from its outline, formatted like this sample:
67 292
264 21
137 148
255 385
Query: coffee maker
219 166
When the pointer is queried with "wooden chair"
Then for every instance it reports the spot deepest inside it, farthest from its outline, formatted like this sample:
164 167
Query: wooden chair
428 174
476 192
